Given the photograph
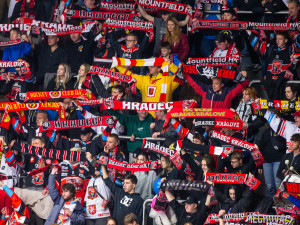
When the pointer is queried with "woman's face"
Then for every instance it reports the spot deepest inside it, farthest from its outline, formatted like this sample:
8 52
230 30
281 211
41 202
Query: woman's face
171 26
232 194
61 70
246 95
111 222
204 166
163 163
81 71
141 159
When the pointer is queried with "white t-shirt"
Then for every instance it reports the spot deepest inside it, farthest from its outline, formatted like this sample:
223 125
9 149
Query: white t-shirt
64 218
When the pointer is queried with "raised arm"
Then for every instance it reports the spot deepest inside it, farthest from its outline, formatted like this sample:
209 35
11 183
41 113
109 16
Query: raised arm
145 14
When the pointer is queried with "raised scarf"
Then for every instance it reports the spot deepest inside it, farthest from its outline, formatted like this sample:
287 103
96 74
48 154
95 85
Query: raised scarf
111 74
233 178
59 94
219 123
167 6
257 156
97 15
72 124
131 25
287 210
214 61
30 9
15 107
11 64
13 42
275 104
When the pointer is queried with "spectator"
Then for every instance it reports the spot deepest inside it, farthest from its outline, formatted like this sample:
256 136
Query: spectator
125 200
29 9
111 221
84 80
168 170
131 219
65 209
63 79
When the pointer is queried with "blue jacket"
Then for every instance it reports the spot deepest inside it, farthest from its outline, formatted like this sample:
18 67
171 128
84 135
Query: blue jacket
77 217
12 53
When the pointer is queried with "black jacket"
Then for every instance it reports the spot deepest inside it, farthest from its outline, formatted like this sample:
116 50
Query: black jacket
293 161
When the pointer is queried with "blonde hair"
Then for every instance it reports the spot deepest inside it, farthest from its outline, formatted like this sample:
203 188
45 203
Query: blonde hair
252 92
67 76
170 165
86 70
175 37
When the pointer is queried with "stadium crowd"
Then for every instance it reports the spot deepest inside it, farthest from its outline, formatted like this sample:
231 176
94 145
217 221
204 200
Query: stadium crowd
149 112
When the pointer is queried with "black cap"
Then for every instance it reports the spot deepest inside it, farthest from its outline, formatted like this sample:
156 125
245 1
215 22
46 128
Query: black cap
191 200
231 11
224 35
86 130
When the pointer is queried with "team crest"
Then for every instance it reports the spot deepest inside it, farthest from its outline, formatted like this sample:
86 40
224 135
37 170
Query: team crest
151 91
54 94
92 209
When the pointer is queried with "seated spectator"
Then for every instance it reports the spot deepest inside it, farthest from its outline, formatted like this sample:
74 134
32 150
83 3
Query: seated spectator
294 15
178 40
5 205
167 170
62 80
292 95
84 80
66 209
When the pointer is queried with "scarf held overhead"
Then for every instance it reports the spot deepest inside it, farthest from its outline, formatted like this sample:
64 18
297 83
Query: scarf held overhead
220 123
213 61
93 15
16 107
111 74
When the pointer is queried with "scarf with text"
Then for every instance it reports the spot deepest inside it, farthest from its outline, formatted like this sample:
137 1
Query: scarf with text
131 25
199 8
59 94
31 22
212 72
291 187
93 15
84 28
111 74
219 123
30 9
287 210
233 178
15 107
257 156
213 61
229 217
26 75
72 124
200 112
275 104
115 164
11 64
50 153
146 106
167 6
237 25
172 154
12 42
123 7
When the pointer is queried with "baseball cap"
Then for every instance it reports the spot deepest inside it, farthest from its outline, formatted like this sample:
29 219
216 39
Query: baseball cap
191 200
86 130
297 113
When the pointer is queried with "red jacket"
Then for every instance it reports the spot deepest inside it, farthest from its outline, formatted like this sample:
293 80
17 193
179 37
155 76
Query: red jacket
4 202
182 49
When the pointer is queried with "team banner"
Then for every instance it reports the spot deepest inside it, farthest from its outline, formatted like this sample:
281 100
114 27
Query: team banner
115 164
8 27
237 25
287 210
123 7
12 42
212 61
220 123
71 124
84 28
146 106
111 74
173 155
229 217
167 6
31 22
233 178
131 25
275 104
98 15
211 72
11 64
185 185
59 94
257 156
15 107
291 187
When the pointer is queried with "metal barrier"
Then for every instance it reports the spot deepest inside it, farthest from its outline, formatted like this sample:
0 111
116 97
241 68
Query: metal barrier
259 82
248 12
126 138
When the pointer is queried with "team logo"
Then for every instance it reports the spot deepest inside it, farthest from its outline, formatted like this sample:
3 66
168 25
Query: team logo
38 179
186 104
80 48
55 94
103 160
276 67
32 159
109 104
92 193
32 106
48 161
151 91
70 13
110 121
92 209
6 119
46 125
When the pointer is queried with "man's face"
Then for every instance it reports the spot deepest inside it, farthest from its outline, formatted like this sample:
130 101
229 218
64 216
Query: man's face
86 137
228 16
131 41
222 45
128 186
294 145
38 143
297 120
190 208
116 92
236 163
75 37
111 143
280 40
197 141
293 9
165 17
165 52
217 85
66 194
154 70
289 94
141 159
40 118
52 40
14 35
67 103
159 114
89 3
142 114
227 131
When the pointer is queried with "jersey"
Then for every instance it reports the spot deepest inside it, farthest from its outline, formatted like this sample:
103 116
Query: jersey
64 218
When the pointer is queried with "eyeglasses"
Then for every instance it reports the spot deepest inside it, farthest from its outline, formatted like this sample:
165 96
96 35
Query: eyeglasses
130 40
233 162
